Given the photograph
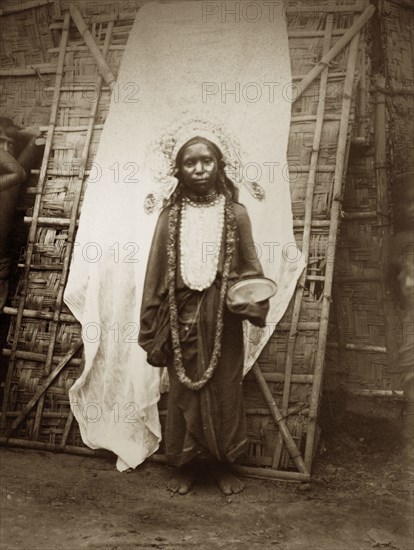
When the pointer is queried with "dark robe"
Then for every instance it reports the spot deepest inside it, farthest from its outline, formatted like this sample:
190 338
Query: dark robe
211 422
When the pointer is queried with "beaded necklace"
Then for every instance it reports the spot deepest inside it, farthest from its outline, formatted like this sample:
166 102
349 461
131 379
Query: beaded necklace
201 231
230 229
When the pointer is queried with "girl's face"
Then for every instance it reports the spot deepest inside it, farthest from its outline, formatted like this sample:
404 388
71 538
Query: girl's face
199 169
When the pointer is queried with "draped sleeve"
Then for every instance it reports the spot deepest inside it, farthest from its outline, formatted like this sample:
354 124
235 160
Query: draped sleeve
247 266
154 319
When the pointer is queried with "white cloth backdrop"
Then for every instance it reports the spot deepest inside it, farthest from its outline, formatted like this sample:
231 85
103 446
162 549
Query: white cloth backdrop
188 57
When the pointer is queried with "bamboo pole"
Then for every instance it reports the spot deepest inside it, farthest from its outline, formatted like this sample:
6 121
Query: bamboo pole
302 326
40 357
359 347
270 473
32 70
279 420
49 222
352 216
61 173
334 75
103 67
304 168
333 230
113 48
33 226
44 446
384 229
299 33
334 51
310 188
71 235
38 314
312 118
280 377
315 223
261 473
46 414
66 431
261 411
75 129
43 267
380 393
362 114
42 389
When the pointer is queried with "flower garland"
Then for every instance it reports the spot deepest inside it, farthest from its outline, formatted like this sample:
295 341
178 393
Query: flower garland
172 270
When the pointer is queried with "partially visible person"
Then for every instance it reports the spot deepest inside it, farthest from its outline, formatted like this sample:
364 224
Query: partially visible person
402 272
20 151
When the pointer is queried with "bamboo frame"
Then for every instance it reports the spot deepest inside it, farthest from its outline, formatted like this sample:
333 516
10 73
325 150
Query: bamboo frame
94 108
42 389
103 67
333 52
333 230
310 188
279 420
36 209
71 233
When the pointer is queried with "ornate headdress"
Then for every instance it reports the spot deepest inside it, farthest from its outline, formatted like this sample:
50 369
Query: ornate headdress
162 153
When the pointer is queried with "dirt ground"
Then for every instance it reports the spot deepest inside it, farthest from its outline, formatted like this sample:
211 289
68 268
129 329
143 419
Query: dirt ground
361 497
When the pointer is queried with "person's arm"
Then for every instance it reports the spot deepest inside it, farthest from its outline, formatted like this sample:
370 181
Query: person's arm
30 147
28 150
248 266
12 173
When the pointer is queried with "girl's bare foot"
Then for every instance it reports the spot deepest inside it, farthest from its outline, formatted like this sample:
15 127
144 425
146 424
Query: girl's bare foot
226 481
183 481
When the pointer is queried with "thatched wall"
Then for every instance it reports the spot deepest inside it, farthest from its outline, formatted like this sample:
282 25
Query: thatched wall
358 313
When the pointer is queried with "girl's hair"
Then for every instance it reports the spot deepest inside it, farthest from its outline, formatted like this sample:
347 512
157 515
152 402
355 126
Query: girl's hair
224 184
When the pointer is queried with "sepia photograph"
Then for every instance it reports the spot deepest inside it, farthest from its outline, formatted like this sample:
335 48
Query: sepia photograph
206 274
